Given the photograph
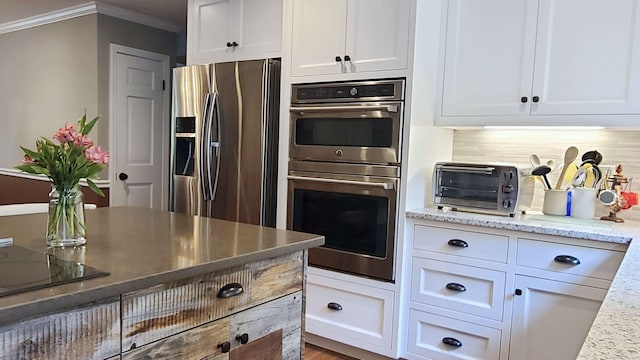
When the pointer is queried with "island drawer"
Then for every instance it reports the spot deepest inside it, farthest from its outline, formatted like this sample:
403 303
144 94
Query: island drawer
88 332
467 289
438 337
167 309
568 259
470 244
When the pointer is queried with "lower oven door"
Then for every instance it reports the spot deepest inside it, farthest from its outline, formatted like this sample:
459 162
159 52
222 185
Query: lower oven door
356 215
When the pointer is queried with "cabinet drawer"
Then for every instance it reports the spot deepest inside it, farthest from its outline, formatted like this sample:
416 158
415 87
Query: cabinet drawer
439 283
428 334
364 318
596 263
90 332
469 244
164 310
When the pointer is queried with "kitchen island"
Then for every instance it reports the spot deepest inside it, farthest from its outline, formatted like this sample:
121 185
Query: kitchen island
178 285
616 328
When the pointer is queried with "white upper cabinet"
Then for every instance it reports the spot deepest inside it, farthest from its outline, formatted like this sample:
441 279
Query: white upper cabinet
541 57
348 36
229 30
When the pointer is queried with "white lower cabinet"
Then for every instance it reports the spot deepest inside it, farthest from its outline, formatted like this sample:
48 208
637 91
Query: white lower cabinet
531 297
551 319
350 313
438 337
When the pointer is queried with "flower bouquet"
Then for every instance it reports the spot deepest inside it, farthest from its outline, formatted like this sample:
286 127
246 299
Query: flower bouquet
72 157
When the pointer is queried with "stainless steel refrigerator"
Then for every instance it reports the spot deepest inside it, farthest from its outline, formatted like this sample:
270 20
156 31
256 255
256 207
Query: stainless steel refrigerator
224 140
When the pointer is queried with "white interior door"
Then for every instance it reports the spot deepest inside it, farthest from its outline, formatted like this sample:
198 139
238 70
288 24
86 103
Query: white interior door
139 122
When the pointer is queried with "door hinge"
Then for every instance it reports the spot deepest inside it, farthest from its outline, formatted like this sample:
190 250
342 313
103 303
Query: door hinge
163 85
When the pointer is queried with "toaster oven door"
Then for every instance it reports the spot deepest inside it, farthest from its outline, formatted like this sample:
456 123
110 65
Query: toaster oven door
473 187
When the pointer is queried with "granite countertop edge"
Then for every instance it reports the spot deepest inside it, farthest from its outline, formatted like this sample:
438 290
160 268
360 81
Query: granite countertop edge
616 328
69 297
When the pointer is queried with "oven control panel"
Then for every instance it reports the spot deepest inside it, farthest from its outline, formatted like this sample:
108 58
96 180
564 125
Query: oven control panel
349 91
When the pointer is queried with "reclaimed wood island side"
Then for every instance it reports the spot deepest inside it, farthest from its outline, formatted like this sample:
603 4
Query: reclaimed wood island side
179 287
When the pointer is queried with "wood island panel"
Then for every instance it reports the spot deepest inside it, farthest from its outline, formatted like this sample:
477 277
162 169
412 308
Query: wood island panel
91 332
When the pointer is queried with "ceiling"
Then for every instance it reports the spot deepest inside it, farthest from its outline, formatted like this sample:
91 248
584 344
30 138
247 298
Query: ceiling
174 11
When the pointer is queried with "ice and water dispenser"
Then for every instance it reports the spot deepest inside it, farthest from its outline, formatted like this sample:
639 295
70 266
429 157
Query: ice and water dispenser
185 149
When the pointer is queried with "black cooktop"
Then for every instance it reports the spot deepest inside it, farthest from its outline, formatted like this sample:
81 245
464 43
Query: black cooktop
23 270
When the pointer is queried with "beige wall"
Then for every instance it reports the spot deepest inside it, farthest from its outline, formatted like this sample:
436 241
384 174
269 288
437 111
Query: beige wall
126 33
51 73
47 78
515 146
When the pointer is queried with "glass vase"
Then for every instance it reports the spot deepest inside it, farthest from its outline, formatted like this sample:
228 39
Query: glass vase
66 224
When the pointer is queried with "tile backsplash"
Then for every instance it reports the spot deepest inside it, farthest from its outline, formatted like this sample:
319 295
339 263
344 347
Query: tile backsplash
515 146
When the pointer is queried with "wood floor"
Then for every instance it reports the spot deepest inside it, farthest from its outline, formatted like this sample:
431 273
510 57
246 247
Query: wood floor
312 352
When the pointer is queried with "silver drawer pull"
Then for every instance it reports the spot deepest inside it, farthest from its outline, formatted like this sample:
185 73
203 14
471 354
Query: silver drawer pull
567 259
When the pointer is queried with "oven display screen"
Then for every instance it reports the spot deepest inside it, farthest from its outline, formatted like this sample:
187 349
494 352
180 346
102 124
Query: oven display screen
352 223
344 132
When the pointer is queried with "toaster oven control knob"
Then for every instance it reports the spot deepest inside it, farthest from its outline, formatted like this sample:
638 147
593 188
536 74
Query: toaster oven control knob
508 175
339 152
507 189
506 204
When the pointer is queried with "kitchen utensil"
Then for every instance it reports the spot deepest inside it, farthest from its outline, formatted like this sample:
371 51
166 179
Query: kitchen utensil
607 197
592 155
580 178
569 156
534 160
542 170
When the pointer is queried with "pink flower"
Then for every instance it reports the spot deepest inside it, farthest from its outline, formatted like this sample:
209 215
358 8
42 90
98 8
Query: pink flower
66 134
96 155
83 140
28 160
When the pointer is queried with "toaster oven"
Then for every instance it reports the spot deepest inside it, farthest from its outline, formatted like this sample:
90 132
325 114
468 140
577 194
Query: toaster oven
490 188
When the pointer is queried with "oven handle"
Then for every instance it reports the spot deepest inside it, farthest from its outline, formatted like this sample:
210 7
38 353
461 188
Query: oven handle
467 169
388 108
384 185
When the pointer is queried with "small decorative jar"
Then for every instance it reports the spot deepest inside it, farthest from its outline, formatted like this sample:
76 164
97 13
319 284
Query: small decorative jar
66 222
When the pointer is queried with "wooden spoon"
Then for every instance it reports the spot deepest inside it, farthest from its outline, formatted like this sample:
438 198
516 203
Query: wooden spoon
570 156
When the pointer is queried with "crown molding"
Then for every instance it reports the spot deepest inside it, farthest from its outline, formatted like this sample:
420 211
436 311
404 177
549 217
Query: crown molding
89 8
137 17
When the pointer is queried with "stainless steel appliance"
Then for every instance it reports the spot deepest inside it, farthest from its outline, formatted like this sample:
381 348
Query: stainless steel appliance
344 172
491 188
224 140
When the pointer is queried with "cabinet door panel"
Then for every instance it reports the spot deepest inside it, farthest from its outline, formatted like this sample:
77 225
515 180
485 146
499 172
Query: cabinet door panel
318 37
378 35
210 26
427 332
489 57
279 319
434 282
259 20
551 319
587 57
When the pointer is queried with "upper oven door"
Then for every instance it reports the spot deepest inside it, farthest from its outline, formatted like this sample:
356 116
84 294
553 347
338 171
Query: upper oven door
356 133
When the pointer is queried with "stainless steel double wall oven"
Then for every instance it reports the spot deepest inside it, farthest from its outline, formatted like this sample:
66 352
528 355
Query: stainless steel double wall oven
344 172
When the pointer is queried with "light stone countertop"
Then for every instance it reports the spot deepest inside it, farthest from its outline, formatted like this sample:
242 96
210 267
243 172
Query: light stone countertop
141 248
615 333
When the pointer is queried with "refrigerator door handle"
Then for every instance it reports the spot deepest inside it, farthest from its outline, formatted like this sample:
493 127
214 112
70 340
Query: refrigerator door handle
215 145
204 148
